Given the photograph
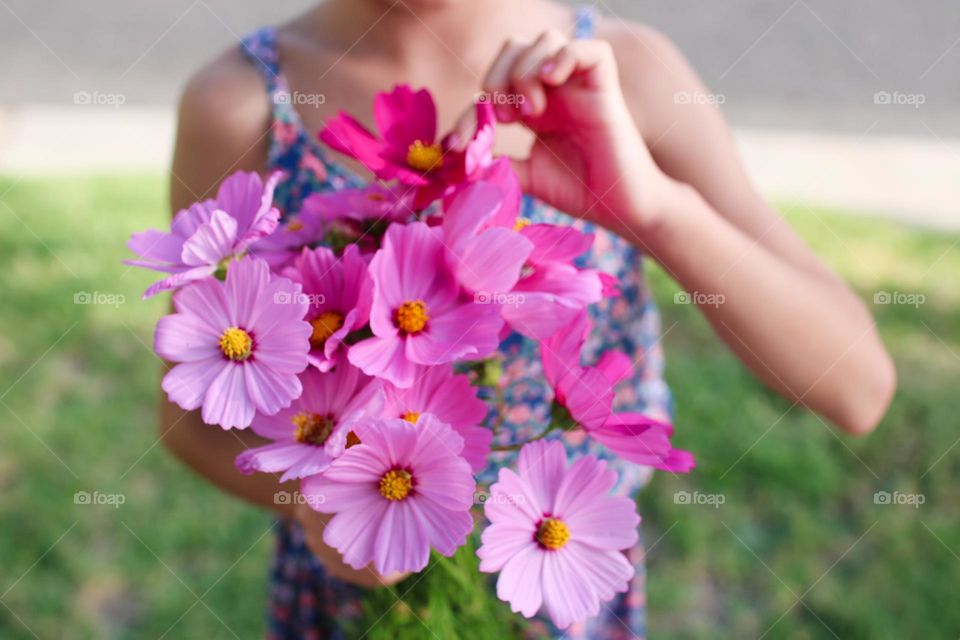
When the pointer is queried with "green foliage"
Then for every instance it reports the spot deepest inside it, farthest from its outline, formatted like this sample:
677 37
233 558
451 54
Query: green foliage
442 601
78 384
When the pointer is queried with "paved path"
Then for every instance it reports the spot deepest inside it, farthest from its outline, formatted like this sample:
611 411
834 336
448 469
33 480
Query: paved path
787 63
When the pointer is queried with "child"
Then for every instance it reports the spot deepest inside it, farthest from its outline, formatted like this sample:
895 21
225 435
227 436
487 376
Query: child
590 109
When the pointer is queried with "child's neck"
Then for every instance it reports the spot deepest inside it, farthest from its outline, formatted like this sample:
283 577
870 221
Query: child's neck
411 30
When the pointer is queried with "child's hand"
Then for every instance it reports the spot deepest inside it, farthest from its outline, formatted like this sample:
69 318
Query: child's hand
589 158
313 524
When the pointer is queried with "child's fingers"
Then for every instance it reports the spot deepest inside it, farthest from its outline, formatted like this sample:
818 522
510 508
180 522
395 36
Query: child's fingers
525 74
577 57
497 80
463 128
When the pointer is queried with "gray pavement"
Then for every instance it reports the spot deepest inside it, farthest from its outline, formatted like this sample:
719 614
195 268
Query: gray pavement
809 64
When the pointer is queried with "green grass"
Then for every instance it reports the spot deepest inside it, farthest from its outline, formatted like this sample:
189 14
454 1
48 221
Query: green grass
77 403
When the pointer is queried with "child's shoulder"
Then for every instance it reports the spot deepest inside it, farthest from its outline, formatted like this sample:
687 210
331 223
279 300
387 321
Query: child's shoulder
224 112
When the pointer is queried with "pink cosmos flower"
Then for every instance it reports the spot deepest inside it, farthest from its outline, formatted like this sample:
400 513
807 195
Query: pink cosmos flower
552 290
451 399
240 345
374 203
587 394
286 243
557 536
339 292
206 236
486 259
398 492
313 431
418 316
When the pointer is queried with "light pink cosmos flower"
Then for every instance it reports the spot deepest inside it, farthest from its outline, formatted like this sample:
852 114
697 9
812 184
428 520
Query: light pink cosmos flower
486 259
339 291
418 315
206 236
552 291
398 492
240 345
314 430
450 398
587 394
557 536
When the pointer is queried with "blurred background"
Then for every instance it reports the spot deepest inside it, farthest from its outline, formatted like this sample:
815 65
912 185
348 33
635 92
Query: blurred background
847 115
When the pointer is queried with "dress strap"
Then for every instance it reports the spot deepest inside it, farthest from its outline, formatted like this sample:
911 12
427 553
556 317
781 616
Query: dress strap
260 47
585 25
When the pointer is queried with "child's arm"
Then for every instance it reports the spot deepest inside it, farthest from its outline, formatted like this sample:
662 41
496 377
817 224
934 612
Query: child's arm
223 126
642 154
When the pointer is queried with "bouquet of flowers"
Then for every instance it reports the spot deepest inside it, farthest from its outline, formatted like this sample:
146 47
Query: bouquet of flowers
354 335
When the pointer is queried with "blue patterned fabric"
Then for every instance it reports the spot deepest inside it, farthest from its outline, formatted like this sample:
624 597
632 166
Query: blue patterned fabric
304 602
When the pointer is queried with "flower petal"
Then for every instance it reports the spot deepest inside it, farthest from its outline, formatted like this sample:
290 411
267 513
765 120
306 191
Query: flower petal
227 403
212 242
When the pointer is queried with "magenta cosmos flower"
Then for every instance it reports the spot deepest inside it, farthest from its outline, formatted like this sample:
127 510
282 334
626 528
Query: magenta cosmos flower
451 399
240 345
418 315
552 291
206 237
339 292
556 535
396 494
315 429
409 149
586 394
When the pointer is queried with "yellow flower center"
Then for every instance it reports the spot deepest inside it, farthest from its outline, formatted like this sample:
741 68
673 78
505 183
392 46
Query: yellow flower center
412 316
396 484
411 416
236 344
553 533
324 326
352 439
424 157
295 225
521 223
312 428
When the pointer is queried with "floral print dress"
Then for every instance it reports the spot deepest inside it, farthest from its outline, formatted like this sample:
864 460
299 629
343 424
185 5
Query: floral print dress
304 603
